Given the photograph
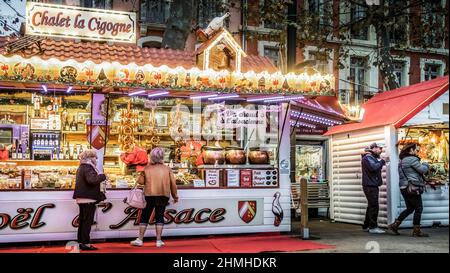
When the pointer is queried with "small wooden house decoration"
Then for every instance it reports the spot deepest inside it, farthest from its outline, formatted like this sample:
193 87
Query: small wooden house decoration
220 52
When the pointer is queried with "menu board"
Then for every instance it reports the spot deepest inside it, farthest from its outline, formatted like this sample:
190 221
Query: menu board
265 178
212 178
233 178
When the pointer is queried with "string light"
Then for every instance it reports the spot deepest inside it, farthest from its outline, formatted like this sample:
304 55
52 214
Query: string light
314 118
302 124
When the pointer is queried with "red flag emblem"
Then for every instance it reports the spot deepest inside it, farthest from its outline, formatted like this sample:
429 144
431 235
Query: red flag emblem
98 135
247 210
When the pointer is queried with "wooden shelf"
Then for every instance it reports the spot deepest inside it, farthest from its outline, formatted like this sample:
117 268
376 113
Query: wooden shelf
74 132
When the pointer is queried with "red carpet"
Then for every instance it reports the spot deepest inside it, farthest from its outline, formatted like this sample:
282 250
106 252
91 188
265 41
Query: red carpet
216 244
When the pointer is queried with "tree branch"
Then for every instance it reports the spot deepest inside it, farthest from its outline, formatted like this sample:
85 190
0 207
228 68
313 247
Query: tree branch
18 14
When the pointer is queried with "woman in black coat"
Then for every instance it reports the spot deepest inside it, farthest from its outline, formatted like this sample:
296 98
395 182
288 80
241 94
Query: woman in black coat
88 194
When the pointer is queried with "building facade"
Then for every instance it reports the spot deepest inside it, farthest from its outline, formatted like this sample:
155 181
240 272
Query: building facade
356 80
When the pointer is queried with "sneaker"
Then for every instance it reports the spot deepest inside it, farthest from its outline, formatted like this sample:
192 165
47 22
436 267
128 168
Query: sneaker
137 242
376 231
160 243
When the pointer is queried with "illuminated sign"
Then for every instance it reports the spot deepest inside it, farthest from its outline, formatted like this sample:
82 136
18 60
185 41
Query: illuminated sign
80 23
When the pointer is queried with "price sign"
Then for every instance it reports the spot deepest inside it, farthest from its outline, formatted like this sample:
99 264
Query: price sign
212 178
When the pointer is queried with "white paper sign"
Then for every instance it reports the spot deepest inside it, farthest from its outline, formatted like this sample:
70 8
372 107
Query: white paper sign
212 178
233 178
199 183
39 124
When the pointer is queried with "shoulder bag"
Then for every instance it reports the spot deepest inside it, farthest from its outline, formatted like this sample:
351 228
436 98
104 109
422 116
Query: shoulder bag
136 198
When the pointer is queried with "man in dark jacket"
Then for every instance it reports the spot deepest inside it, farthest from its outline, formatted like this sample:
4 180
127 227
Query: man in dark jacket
372 164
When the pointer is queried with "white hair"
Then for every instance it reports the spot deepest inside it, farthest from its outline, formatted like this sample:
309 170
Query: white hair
157 155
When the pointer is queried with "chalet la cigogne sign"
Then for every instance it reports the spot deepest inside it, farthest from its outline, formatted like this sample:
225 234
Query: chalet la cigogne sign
44 19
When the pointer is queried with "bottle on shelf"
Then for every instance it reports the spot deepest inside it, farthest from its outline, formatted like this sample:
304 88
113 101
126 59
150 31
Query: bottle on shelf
67 124
50 140
61 153
19 152
46 140
37 140
73 125
54 154
14 150
12 153
74 153
67 153
81 149
27 152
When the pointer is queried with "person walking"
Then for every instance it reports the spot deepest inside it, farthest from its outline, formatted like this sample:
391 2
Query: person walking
87 194
159 184
372 164
410 169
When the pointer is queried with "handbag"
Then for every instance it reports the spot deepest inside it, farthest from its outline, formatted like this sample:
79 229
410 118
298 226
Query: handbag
136 198
413 188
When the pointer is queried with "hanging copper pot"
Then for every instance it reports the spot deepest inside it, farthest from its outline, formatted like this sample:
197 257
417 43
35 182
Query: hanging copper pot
235 155
256 156
213 155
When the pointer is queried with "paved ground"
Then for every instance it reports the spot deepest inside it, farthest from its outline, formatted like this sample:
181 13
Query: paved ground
351 239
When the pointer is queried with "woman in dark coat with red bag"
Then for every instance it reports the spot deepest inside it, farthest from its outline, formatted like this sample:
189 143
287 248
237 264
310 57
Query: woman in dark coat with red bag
88 194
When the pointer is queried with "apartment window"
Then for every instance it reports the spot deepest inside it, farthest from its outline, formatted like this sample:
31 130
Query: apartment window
98 4
207 10
358 80
320 13
321 62
154 11
272 53
399 71
358 30
431 71
399 26
433 22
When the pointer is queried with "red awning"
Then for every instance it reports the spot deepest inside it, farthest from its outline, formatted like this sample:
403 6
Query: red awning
396 107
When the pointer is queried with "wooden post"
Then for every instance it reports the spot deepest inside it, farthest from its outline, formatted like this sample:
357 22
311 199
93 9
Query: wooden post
304 207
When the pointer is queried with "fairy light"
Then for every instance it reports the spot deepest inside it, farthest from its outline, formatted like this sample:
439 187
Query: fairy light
302 124
315 118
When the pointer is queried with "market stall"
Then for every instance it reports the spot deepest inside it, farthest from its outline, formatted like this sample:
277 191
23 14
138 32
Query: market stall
310 119
417 113
219 113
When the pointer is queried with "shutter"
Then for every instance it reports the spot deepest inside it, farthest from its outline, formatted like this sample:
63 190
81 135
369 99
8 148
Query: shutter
348 203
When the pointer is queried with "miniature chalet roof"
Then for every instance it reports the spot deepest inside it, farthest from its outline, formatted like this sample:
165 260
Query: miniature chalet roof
397 106
221 35
96 52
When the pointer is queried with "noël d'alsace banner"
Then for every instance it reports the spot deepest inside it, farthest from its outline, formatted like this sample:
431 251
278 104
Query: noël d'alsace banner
80 23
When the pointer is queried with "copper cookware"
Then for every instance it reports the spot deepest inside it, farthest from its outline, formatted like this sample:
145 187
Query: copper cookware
213 155
255 156
235 155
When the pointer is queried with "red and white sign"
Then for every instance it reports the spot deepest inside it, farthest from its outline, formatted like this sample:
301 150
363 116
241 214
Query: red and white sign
246 178
80 23
46 217
247 210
